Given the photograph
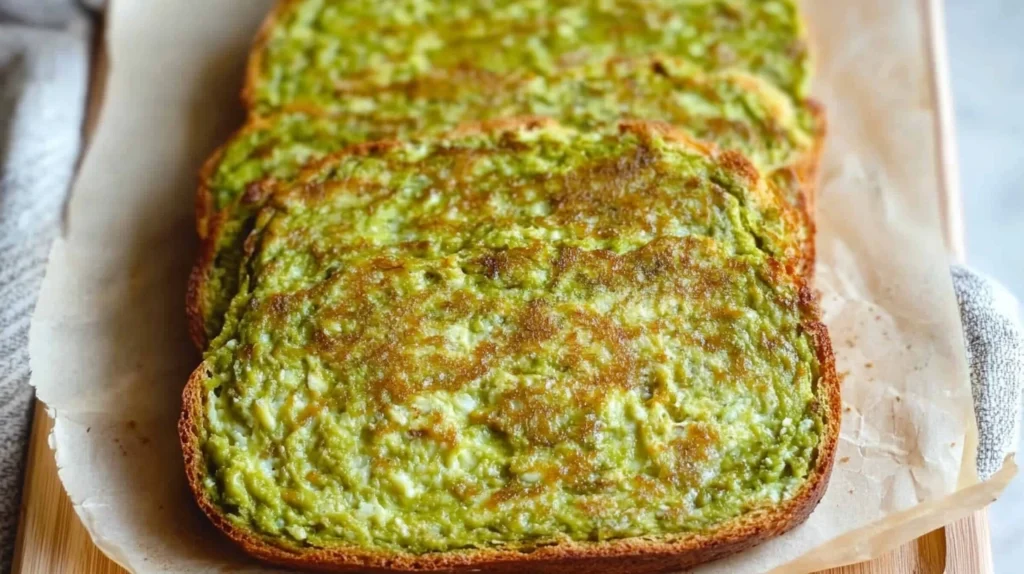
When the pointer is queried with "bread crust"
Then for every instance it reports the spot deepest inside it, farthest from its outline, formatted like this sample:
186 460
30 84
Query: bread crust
640 554
807 175
805 171
195 307
252 68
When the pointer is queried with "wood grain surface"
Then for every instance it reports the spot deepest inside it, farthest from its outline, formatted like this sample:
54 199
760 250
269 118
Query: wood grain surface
52 540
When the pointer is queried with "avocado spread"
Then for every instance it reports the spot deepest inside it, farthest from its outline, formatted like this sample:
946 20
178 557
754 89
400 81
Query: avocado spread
735 110
320 51
509 338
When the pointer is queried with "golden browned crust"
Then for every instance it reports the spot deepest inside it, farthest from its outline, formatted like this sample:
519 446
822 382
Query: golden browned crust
807 176
252 69
209 224
647 554
805 173
669 132
801 215
195 308
205 202
807 168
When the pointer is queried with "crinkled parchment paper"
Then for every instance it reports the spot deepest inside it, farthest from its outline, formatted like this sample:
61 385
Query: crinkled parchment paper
110 352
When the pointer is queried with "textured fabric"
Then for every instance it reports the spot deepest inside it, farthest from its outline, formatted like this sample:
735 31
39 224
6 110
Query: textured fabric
43 78
995 352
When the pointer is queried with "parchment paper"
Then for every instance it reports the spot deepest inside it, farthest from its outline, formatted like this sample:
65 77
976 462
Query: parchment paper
110 352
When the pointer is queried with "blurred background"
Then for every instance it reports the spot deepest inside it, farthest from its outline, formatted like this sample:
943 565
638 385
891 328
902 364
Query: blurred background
986 52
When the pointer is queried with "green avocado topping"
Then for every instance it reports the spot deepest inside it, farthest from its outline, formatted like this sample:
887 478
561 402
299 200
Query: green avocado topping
322 51
510 338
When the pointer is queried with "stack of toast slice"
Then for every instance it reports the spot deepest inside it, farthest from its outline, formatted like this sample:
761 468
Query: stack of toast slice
505 284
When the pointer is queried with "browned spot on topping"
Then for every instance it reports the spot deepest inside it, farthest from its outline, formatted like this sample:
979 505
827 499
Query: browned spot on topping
649 486
465 489
256 192
460 304
737 163
278 306
576 470
594 506
844 460
265 149
691 447
377 147
540 417
506 264
620 368
622 190
720 128
438 430
494 264
309 411
291 497
512 491
567 258
386 263
535 326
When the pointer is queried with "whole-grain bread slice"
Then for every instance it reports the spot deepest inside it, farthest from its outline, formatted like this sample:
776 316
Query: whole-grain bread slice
353 273
315 53
733 110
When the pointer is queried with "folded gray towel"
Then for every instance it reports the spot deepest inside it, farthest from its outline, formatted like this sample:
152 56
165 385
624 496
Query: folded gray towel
995 354
43 79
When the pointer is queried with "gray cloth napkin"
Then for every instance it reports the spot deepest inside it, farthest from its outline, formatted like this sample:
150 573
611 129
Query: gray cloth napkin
995 353
44 57
44 66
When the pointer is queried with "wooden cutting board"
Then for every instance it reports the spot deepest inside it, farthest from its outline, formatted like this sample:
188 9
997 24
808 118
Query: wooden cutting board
52 540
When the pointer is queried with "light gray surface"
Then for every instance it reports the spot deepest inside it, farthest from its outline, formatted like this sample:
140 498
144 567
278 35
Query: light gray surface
986 50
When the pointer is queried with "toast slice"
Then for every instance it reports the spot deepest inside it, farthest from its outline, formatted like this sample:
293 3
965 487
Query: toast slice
516 346
314 53
735 110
